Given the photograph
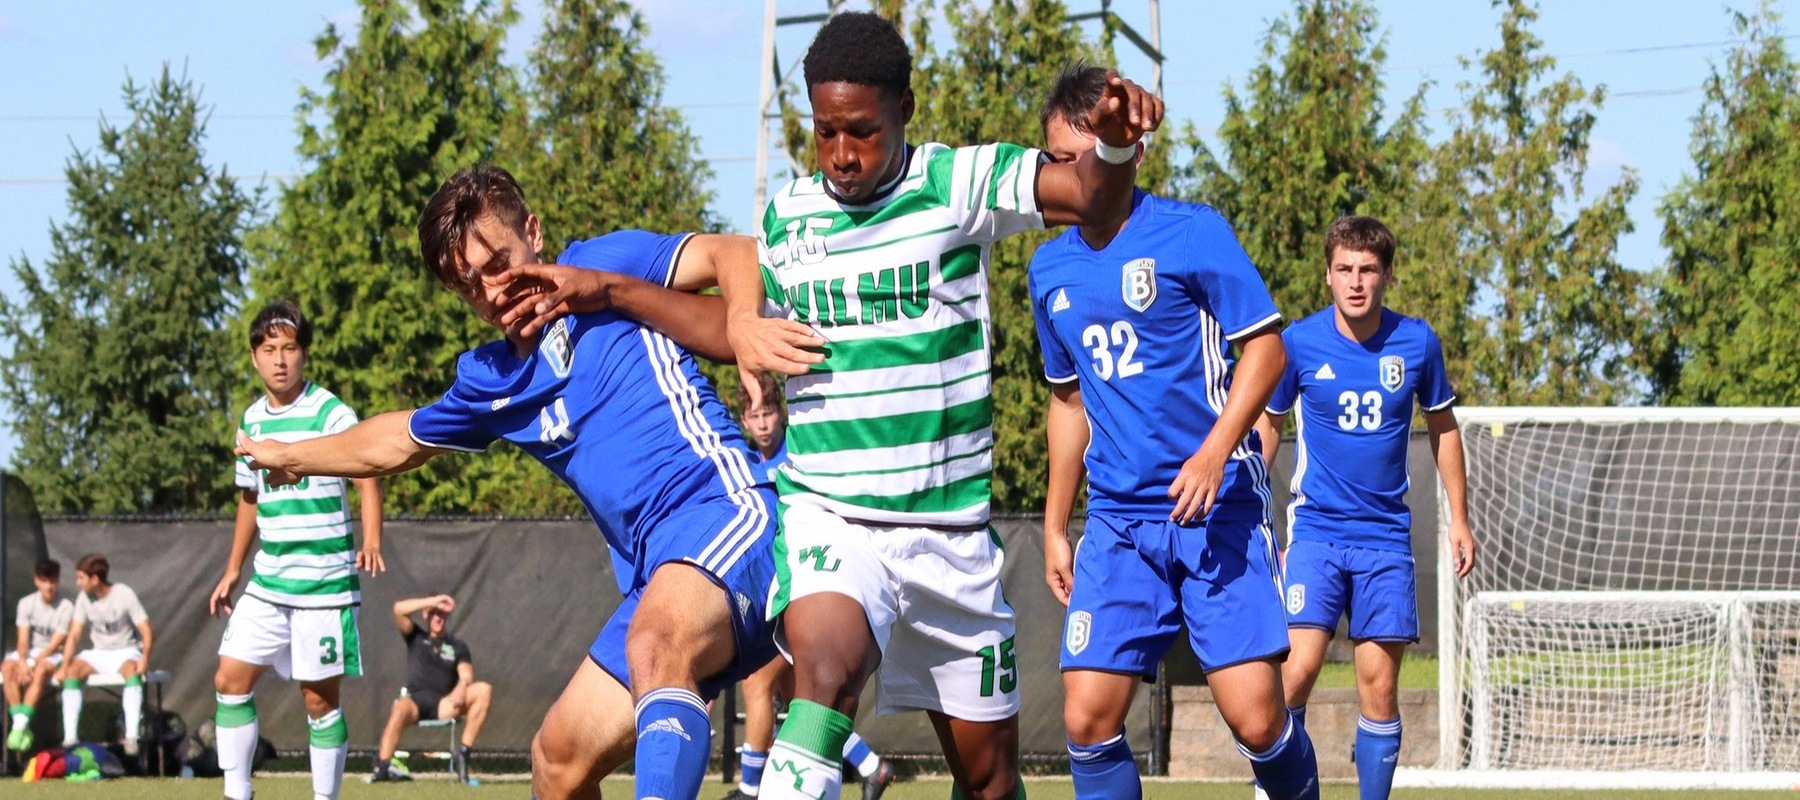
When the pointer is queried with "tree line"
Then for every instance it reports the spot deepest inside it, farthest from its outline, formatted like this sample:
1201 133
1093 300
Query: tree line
129 364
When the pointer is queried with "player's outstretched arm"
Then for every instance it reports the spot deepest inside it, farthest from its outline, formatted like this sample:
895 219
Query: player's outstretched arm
76 629
694 321
1447 449
380 445
1091 190
1197 486
1065 422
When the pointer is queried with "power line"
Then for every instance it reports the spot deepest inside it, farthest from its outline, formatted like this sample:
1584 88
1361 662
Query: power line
1622 51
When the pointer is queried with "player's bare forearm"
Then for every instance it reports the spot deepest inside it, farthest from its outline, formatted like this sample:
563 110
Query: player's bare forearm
1065 424
243 532
1447 451
706 256
1091 191
694 321
368 494
1268 428
24 642
1252 383
75 632
149 636
56 643
380 445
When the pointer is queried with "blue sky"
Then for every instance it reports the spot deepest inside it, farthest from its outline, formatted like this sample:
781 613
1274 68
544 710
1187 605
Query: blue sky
69 60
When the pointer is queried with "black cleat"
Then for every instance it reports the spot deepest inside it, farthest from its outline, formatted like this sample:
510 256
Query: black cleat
874 785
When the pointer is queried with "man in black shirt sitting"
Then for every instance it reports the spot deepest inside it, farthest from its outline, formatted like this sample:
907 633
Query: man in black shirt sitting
440 684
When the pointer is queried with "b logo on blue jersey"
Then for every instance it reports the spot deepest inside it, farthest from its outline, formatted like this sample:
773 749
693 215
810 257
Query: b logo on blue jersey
1139 283
1296 599
557 349
1393 372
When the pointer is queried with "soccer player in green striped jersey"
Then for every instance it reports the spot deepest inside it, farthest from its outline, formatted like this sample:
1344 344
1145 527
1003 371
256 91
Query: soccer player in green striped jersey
878 268
298 612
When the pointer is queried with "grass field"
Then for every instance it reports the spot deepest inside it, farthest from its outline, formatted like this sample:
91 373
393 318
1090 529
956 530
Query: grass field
427 788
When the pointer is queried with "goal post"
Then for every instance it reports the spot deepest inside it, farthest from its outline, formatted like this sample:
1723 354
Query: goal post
1633 617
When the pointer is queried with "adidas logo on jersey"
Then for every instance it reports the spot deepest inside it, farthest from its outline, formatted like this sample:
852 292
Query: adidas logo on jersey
1325 373
1061 303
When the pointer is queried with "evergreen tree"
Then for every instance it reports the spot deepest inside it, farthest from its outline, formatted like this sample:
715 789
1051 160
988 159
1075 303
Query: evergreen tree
1561 321
419 93
1307 140
123 359
1731 298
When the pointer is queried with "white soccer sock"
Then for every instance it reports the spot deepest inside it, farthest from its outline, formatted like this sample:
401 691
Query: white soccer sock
71 707
132 698
20 721
795 774
237 743
328 751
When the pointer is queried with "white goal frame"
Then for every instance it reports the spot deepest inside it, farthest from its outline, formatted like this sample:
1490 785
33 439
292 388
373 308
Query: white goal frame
1453 751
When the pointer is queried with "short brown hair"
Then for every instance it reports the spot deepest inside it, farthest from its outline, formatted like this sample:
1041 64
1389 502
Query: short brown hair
464 198
1077 90
94 564
49 569
1363 235
771 393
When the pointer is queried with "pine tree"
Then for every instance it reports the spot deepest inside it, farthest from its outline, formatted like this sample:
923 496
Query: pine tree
1560 320
123 358
419 93
1731 298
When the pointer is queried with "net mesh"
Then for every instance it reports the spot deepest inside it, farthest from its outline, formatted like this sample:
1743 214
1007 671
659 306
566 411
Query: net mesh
1631 608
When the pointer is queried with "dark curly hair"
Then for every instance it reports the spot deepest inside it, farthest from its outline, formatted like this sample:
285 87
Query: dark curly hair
862 48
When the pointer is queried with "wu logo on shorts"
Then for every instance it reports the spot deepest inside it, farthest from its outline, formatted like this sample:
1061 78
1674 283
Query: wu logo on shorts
1076 637
1393 372
1296 599
1139 283
817 555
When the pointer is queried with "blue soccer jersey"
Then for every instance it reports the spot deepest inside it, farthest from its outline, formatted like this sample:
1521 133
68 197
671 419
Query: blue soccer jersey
767 467
1355 409
1146 326
619 412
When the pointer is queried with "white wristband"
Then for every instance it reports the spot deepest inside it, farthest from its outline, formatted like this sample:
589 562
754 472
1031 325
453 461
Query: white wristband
1114 155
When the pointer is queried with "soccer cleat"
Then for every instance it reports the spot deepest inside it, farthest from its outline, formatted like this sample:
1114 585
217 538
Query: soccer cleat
738 794
1260 794
874 785
19 740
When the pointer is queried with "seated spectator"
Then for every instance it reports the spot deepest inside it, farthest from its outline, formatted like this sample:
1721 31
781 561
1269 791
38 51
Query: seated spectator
440 684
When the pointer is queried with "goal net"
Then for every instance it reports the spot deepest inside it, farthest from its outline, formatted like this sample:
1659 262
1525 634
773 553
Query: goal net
1635 608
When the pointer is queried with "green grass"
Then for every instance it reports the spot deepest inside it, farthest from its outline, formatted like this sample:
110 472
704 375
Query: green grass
427 788
1415 673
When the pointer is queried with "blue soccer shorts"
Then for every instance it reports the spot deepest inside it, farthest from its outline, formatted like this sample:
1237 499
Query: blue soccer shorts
1137 580
1376 587
731 542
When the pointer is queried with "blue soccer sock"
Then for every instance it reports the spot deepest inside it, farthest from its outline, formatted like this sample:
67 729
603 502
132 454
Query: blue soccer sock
1377 754
750 763
1287 770
858 755
674 744
1299 715
1105 770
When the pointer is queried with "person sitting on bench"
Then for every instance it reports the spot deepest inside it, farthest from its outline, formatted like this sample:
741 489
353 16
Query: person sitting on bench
440 684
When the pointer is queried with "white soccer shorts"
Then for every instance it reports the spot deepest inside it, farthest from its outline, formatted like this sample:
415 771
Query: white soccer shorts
55 658
109 662
304 644
932 598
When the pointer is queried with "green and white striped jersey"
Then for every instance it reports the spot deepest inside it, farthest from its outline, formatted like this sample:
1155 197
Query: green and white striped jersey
896 425
308 557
